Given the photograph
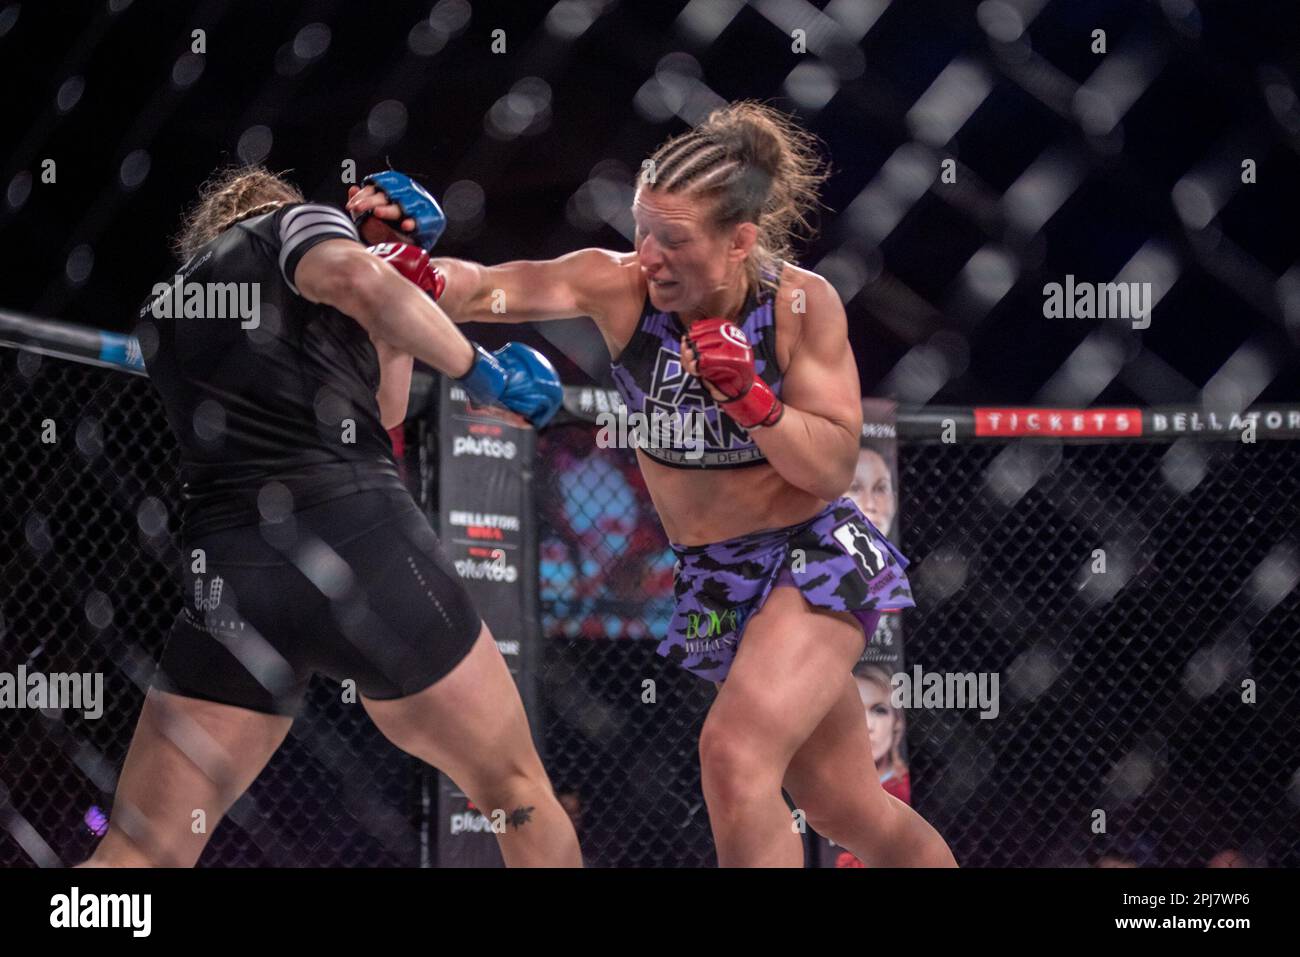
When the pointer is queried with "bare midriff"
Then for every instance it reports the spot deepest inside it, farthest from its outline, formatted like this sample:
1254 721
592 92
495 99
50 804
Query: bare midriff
702 507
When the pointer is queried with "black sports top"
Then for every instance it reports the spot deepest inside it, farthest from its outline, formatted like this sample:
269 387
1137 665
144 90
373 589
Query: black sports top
271 397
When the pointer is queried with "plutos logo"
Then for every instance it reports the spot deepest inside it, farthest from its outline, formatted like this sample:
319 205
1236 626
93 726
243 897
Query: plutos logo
494 569
486 448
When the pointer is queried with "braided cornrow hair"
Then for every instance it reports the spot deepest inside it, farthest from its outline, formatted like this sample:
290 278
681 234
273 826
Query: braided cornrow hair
231 195
757 165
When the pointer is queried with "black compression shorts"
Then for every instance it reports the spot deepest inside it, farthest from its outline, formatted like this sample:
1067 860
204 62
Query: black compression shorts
356 588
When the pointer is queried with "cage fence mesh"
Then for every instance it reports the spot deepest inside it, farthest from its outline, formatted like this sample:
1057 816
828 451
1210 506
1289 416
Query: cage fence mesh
91 583
1121 690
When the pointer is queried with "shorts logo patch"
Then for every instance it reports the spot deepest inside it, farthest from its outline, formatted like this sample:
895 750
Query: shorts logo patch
855 540
711 624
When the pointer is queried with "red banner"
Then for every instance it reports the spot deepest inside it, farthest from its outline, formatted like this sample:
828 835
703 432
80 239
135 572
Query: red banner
1064 423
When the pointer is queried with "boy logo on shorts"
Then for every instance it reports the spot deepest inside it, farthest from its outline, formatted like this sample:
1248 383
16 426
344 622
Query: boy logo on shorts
854 539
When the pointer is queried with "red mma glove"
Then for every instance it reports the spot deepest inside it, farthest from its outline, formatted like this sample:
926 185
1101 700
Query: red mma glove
724 359
413 263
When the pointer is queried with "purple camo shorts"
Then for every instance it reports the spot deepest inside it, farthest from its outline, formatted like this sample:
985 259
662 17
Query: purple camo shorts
837 559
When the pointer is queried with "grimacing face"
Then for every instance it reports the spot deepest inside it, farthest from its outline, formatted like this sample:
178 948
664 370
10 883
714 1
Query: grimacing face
873 490
689 268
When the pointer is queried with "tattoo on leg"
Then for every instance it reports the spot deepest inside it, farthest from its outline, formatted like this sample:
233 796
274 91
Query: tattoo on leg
520 816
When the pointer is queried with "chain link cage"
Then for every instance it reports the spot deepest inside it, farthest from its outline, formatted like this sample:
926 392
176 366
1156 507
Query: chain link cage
1148 709
1123 689
1125 594
91 583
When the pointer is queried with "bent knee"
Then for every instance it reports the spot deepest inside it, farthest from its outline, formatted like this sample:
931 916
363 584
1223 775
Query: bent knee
735 766
503 778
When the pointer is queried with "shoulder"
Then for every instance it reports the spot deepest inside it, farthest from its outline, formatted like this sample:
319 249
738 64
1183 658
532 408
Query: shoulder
804 292
298 221
807 309
299 228
608 285
601 273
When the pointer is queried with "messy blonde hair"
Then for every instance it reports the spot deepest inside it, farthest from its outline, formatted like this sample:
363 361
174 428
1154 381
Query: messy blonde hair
231 195
756 165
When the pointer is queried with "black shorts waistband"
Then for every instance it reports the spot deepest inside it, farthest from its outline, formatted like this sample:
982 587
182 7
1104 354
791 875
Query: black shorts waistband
335 521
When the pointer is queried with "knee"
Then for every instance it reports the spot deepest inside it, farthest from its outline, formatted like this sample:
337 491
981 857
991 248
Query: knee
734 768
505 782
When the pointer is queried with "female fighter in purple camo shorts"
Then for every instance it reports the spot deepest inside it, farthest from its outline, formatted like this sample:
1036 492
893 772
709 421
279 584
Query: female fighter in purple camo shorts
710 327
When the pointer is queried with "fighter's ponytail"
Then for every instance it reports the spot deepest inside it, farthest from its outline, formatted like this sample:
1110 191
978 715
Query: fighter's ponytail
231 195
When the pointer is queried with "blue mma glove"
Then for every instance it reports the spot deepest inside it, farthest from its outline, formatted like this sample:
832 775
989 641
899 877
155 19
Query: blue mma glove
518 377
415 202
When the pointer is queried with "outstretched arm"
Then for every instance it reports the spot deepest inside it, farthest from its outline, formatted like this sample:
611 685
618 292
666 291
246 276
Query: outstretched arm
582 283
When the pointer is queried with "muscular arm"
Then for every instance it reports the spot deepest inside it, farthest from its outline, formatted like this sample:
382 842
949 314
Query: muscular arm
588 282
340 273
582 283
815 445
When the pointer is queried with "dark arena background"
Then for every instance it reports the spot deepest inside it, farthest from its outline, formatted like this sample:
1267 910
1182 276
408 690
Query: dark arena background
1129 575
